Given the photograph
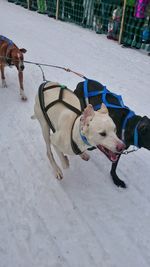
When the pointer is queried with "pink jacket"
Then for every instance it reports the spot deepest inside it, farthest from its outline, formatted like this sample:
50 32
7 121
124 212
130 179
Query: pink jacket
140 8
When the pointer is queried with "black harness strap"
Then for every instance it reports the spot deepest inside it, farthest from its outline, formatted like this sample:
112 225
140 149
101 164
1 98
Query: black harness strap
61 95
41 99
74 146
77 111
51 104
60 100
51 87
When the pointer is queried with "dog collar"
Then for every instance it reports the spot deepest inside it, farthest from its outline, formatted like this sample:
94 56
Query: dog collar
84 139
129 115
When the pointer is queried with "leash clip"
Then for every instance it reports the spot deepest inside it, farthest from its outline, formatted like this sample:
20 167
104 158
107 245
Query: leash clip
126 152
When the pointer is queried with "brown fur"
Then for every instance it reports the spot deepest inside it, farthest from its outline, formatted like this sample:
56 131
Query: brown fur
11 55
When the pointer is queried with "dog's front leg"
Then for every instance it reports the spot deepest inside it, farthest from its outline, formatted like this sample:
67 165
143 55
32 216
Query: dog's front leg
4 85
46 134
57 139
63 158
85 156
20 77
117 181
57 171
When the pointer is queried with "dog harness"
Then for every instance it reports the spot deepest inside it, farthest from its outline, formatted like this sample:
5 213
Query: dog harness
104 92
10 43
45 109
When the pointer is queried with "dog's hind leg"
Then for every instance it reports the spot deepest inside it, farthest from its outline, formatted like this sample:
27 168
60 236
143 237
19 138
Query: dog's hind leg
4 85
117 181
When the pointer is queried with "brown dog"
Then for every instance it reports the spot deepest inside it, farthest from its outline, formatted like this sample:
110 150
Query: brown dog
11 55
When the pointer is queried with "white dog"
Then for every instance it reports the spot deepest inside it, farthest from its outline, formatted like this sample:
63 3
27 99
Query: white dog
57 108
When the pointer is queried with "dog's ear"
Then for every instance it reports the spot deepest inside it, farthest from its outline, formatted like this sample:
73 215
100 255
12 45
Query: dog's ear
88 112
87 115
144 132
103 109
23 50
144 125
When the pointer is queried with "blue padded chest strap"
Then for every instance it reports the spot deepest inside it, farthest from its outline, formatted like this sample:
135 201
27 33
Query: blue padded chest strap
136 138
85 88
130 115
109 105
104 93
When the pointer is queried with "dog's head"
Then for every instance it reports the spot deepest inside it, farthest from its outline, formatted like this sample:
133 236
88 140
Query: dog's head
16 56
144 132
100 131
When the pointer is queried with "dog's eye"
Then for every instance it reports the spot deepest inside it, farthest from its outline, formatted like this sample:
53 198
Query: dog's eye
103 134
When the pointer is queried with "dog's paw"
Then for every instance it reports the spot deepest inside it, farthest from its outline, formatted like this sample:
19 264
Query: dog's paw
117 181
4 84
122 184
23 97
85 156
65 163
59 174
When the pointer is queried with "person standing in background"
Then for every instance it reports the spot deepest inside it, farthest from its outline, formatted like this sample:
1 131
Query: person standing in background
140 8
78 11
42 8
51 8
32 5
114 24
88 13
134 21
107 7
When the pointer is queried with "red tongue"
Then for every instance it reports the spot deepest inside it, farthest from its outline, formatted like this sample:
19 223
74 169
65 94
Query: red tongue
112 156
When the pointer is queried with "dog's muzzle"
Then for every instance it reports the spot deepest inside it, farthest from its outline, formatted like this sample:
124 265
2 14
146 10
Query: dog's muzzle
22 67
113 157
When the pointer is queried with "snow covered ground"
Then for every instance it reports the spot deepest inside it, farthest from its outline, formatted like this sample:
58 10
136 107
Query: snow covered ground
83 220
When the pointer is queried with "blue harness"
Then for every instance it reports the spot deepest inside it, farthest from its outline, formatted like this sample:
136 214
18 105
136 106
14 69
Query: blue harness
104 93
3 38
9 43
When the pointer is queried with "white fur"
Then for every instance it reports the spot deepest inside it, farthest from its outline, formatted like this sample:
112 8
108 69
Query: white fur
4 84
91 123
22 94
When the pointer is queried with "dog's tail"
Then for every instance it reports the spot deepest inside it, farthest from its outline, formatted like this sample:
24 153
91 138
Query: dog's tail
33 117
